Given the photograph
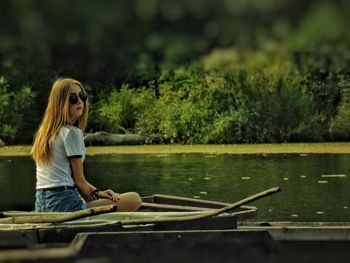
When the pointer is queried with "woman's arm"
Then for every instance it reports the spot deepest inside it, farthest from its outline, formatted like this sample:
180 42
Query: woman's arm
84 187
106 194
91 187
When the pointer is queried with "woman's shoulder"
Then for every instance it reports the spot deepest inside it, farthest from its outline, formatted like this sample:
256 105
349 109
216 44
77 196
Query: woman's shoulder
69 130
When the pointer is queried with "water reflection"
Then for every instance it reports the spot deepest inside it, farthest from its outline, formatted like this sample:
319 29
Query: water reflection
17 180
218 177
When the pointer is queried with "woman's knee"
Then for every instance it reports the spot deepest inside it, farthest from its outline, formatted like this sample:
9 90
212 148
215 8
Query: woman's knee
136 200
130 201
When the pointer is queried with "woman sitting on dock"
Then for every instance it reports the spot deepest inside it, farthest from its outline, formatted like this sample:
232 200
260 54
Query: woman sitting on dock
59 152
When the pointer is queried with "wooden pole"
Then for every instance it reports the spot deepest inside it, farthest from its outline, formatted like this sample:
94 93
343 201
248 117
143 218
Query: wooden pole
198 201
59 218
188 199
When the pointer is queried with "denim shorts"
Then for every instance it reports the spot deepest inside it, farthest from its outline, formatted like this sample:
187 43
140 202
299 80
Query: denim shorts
67 200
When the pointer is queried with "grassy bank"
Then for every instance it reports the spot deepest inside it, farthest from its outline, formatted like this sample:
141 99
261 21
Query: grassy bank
300 148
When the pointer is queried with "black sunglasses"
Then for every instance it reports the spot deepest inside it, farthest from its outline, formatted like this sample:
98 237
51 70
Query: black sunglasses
73 98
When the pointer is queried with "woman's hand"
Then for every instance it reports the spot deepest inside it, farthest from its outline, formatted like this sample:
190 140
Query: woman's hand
109 194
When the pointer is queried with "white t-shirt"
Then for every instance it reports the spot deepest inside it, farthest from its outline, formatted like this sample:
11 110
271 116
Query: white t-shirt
69 143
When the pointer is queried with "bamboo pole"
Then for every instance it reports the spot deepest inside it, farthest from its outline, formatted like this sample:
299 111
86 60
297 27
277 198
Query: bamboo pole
59 218
204 214
194 200
188 199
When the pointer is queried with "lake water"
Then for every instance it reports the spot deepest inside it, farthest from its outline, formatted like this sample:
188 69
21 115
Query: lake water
314 187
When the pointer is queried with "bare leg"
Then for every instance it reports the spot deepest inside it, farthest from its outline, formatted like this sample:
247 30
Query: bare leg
128 202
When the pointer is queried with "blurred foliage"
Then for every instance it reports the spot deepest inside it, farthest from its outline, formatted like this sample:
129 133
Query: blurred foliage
14 107
199 71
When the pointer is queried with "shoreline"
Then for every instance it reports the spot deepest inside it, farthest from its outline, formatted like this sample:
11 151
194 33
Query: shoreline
284 148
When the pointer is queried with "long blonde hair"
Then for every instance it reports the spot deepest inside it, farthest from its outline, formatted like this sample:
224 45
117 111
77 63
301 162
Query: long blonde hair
56 115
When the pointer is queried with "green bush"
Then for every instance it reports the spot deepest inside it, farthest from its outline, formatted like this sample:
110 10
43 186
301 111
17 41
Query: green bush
14 109
195 106
320 49
120 109
340 127
267 108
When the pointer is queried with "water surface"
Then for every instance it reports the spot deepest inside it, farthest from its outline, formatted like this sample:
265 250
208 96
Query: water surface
314 187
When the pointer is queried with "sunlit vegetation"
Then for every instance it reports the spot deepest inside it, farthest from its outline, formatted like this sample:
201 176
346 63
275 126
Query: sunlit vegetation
192 72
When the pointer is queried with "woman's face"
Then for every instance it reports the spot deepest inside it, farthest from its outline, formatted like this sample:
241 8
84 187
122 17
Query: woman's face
75 109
